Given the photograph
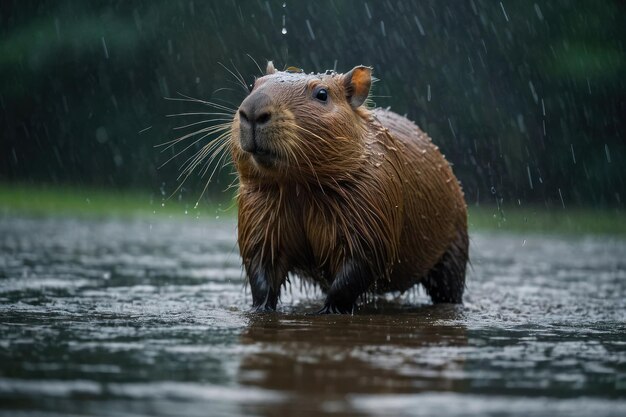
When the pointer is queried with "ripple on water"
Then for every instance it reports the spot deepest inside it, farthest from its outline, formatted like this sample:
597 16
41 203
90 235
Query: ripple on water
110 317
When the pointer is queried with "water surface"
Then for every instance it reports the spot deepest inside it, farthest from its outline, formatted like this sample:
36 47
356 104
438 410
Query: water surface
139 317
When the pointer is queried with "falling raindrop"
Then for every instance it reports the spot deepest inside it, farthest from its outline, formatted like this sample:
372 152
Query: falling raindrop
561 196
504 12
530 179
308 25
367 11
538 11
419 25
533 92
451 128
104 46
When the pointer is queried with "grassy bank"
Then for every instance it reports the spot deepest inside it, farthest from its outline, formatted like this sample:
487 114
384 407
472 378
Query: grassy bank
534 219
70 201
50 201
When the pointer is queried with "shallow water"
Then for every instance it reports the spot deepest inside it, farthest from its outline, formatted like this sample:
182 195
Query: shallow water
111 317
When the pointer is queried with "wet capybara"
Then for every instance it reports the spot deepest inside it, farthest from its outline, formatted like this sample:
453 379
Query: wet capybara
354 199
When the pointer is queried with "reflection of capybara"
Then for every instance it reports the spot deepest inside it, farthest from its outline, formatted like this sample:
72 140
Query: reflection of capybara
353 199
311 364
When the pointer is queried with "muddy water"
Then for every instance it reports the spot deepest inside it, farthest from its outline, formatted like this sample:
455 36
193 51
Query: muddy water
110 317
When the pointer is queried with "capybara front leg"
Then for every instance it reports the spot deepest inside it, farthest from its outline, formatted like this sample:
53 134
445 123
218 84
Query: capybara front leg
264 294
353 280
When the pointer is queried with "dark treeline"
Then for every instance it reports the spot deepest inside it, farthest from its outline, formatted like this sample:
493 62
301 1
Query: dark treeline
528 100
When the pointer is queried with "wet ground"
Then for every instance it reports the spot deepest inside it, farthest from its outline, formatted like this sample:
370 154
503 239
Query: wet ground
142 318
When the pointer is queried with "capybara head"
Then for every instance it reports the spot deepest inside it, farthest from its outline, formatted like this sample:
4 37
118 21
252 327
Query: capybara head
302 128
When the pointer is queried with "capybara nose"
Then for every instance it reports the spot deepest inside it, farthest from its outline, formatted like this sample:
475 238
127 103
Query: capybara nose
255 109
254 113
253 118
247 137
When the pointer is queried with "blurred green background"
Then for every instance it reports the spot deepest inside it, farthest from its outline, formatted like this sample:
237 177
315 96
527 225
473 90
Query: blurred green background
526 99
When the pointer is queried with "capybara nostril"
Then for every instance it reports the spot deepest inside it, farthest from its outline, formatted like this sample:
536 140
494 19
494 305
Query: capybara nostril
243 115
264 117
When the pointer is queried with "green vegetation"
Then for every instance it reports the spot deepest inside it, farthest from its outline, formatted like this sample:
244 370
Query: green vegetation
59 201
537 219
54 201
525 98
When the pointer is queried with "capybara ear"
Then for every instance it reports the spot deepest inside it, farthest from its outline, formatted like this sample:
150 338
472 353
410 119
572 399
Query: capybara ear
270 68
357 84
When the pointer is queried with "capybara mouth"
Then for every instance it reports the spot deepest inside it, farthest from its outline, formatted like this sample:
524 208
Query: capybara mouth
265 158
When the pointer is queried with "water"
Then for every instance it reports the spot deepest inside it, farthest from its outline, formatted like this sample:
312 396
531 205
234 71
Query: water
134 318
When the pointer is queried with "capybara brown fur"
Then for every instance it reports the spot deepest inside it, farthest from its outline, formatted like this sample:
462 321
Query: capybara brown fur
357 200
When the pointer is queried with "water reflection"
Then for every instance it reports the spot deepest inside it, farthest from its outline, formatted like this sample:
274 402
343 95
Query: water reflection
117 317
319 361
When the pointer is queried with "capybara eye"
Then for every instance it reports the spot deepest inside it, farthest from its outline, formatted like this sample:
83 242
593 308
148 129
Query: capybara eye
321 95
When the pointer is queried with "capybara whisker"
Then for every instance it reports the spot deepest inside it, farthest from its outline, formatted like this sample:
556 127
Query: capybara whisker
209 129
203 102
240 80
203 122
